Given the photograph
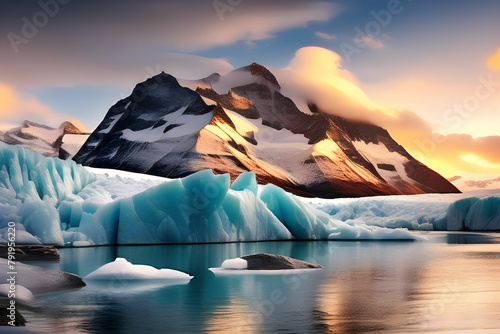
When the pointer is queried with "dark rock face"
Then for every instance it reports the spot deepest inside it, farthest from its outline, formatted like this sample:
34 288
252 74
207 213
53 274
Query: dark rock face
152 131
276 262
69 128
168 130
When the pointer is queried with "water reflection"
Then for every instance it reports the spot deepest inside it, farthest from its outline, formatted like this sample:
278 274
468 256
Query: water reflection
365 287
472 238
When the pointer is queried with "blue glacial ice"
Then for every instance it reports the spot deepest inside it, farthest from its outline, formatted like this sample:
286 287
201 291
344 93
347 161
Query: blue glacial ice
474 211
484 215
31 186
59 202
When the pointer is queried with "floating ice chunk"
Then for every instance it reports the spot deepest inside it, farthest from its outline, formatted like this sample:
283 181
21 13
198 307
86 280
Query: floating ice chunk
121 269
236 264
81 243
20 292
245 181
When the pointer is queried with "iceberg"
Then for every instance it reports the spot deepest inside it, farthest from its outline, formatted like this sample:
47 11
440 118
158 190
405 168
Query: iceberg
197 208
121 269
306 222
59 202
31 186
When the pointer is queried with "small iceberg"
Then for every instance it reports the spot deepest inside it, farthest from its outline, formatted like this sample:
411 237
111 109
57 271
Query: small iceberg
122 270
267 264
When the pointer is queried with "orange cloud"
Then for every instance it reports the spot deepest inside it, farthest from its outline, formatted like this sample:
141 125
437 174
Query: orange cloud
315 74
15 107
494 61
370 42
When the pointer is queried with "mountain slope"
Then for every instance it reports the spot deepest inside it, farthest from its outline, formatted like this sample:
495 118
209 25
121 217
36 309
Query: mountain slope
242 122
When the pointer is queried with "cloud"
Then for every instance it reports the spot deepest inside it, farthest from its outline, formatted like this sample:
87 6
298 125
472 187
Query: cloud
324 35
494 61
250 44
369 41
16 107
459 153
316 74
95 42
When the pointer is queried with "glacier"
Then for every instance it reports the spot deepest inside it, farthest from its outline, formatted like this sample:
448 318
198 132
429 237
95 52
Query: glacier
62 203
470 211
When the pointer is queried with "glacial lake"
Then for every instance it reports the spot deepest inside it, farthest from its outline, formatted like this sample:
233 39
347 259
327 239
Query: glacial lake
449 284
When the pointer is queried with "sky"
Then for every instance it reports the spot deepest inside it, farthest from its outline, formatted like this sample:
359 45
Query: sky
428 71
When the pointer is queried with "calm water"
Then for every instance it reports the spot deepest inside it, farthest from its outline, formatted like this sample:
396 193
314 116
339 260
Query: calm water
451 283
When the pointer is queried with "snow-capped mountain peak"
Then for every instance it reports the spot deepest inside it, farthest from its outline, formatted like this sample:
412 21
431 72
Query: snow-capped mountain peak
63 141
242 122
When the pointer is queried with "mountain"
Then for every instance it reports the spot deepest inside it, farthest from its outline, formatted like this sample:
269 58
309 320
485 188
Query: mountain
241 122
62 142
